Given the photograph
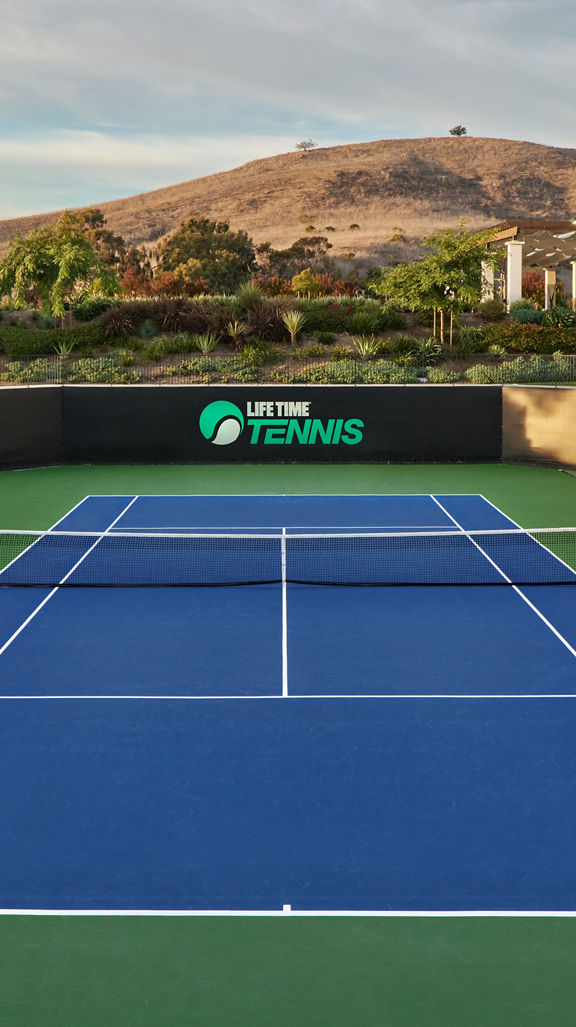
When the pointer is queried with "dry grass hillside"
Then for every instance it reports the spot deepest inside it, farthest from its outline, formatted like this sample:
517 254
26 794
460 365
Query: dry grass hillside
411 186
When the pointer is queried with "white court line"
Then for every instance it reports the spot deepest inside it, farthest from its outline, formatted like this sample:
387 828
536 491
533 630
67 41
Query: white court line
284 618
290 912
277 495
294 697
528 532
64 579
518 591
41 535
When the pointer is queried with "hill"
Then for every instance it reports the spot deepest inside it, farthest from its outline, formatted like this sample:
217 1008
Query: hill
406 186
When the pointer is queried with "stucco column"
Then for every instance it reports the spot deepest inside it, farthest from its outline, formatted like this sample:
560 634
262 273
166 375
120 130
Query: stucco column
513 272
573 262
488 282
549 288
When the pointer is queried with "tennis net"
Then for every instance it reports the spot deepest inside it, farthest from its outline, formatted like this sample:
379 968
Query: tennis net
511 557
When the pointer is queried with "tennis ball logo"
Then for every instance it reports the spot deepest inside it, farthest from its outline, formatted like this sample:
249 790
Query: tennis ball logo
221 422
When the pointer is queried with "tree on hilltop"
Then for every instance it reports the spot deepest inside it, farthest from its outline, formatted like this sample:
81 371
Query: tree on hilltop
305 145
458 130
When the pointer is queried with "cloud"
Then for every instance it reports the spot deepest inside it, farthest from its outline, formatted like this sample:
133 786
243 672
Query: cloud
82 168
230 78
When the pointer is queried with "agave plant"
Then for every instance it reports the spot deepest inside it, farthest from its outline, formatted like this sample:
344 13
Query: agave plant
235 329
64 347
205 342
366 345
294 321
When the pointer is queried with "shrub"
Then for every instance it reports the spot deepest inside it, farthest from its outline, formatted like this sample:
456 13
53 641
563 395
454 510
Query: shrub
492 310
325 338
342 353
43 370
437 376
265 320
366 345
394 320
559 316
404 344
528 338
526 315
531 369
362 322
248 297
205 341
101 370
25 342
427 351
524 303
471 339
425 318
88 309
294 320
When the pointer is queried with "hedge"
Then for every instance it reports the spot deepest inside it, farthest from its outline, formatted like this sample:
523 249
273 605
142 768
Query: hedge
19 341
529 338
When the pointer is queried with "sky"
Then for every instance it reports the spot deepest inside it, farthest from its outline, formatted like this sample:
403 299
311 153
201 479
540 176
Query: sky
104 100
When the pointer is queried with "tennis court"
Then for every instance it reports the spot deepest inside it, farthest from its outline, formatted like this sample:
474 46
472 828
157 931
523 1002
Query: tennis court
358 703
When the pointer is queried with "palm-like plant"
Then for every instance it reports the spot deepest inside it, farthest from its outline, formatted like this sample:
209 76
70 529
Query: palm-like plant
205 342
235 329
366 345
294 321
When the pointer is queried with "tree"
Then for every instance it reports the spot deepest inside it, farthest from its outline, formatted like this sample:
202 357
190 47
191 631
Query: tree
53 261
309 251
448 279
458 130
305 145
204 249
306 284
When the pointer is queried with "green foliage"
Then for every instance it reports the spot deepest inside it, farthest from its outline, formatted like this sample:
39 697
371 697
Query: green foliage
25 342
306 284
101 371
265 320
342 353
50 261
491 310
526 315
363 322
201 248
437 376
294 320
366 346
205 341
531 369
427 351
147 328
88 309
498 352
325 338
248 297
470 336
448 279
561 316
524 303
527 338
23 372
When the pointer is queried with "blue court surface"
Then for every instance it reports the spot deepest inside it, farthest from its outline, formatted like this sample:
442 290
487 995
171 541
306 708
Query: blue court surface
408 747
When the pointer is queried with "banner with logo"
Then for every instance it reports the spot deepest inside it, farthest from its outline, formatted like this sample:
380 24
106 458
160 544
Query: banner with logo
281 424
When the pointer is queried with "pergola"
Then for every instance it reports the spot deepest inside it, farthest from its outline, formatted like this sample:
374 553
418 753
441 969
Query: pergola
534 243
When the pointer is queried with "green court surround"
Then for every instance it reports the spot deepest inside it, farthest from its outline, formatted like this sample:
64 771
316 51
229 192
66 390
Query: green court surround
287 971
